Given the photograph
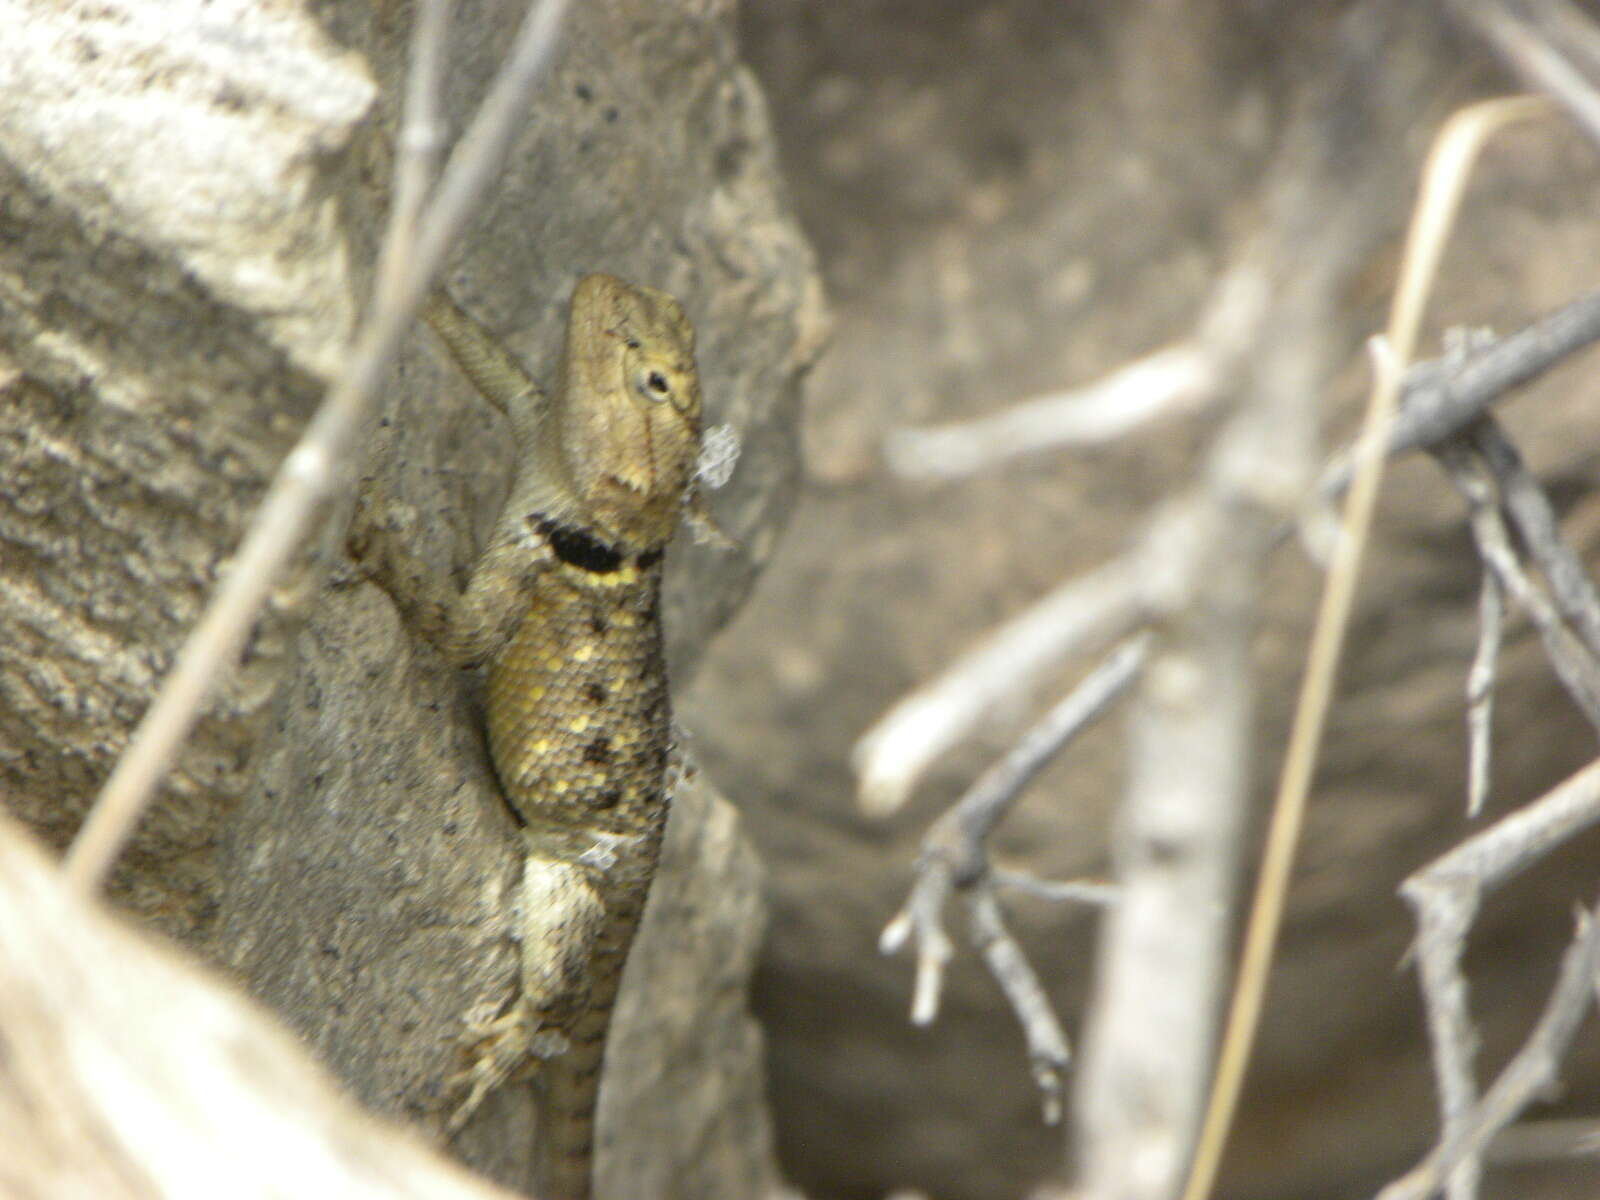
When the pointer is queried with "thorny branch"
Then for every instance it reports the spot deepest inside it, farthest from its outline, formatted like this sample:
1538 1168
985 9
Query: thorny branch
1445 404
1554 47
1487 470
1534 519
1537 570
414 249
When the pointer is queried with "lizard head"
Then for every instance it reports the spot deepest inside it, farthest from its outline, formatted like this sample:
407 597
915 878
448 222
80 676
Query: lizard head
630 408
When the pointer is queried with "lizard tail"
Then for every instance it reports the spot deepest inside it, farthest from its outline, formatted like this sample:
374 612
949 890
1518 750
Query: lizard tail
570 1082
570 1087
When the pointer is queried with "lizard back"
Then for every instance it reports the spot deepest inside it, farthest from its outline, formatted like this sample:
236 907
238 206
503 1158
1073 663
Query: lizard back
577 702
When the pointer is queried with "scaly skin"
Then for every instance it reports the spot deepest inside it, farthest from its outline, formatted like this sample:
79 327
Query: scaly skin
563 607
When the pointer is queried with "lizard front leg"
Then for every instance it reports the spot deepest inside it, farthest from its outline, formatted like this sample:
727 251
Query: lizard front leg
468 628
476 626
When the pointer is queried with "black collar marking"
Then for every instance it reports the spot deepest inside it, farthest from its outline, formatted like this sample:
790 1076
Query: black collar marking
579 548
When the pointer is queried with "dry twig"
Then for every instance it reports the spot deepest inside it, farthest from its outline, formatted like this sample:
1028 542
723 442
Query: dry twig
891 756
1186 377
1481 460
1446 895
1480 690
1533 1070
1533 517
1443 396
1575 665
955 857
1444 180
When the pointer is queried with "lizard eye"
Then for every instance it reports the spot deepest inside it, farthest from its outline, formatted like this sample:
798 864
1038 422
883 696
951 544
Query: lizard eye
656 386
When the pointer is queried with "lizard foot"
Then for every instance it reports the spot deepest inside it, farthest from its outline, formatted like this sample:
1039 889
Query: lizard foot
376 545
503 1049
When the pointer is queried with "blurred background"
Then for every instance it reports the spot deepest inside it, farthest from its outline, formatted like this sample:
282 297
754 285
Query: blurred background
1010 198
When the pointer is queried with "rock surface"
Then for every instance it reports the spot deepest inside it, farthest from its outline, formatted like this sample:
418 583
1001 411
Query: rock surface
168 316
132 1073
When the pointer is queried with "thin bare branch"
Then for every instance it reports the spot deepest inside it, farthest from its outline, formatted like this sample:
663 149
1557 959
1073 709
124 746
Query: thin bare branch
1076 891
891 756
1575 666
977 813
1442 929
1480 690
311 472
922 918
1048 1053
1534 518
1461 878
421 138
1178 379
1445 896
1183 378
1534 1069
1444 395
955 857
955 853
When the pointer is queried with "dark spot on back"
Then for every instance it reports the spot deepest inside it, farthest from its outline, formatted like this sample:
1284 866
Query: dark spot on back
599 624
609 798
649 558
598 751
596 693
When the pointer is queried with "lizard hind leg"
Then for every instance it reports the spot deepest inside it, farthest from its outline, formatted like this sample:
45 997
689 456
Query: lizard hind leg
561 921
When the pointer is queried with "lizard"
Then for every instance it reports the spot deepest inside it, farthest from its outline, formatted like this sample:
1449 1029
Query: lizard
562 610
